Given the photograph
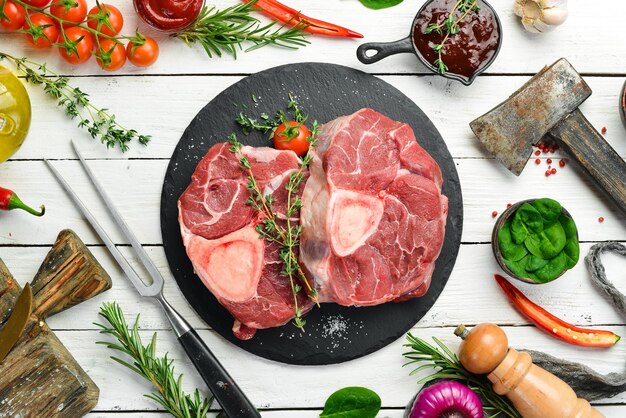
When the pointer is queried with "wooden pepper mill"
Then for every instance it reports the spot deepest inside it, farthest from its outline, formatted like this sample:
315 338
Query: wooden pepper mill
533 391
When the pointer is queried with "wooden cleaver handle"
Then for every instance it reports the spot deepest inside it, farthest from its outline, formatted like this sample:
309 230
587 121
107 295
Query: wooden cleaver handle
69 275
594 154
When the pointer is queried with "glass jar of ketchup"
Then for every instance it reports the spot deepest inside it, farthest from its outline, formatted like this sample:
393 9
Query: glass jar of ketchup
168 15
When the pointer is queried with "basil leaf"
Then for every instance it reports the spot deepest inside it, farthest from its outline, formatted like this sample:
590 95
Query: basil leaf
548 243
509 249
530 217
549 209
352 402
380 4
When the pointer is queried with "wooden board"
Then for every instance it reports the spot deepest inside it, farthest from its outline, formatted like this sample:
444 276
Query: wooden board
40 378
333 333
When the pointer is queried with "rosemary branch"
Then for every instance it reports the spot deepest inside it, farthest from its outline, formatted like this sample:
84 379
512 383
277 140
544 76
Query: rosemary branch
446 365
157 370
451 27
100 123
227 30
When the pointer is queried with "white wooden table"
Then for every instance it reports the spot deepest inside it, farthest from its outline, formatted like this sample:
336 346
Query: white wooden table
162 100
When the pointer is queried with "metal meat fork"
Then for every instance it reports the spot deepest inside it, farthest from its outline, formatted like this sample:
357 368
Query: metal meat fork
233 401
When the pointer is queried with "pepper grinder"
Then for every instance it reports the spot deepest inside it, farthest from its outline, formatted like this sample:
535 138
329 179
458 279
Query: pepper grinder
533 391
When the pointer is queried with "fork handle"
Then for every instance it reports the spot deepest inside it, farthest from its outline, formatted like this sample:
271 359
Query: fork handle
229 395
232 399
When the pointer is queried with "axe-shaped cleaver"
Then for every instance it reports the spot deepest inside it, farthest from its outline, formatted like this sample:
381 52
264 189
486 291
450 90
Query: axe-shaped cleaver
548 105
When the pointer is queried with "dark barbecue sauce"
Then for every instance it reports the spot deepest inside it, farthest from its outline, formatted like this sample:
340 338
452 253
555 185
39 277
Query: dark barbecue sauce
466 52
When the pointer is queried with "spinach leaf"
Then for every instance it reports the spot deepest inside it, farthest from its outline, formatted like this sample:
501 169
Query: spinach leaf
530 217
549 209
516 268
380 4
552 269
538 241
532 262
352 402
548 243
519 232
509 249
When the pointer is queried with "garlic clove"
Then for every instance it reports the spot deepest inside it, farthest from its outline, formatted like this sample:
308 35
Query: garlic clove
540 16
554 16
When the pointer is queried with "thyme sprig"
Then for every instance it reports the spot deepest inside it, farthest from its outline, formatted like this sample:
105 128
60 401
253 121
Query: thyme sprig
287 237
446 365
157 370
227 30
100 123
450 26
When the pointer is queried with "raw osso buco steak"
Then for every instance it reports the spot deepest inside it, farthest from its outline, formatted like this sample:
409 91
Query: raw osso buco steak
373 221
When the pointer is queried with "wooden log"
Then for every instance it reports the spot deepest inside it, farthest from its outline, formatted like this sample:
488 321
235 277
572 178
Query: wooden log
40 378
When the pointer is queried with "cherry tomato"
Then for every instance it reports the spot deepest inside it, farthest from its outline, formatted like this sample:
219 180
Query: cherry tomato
76 11
292 136
117 55
37 3
84 47
44 26
143 55
15 16
98 17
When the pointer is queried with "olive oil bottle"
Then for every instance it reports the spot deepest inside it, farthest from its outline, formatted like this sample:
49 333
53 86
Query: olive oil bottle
14 113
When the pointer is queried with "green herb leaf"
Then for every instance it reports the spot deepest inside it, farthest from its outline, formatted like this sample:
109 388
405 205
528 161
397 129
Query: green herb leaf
509 249
549 209
380 4
548 243
552 269
531 218
532 263
352 402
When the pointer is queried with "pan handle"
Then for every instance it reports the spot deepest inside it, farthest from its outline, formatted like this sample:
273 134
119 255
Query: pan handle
383 50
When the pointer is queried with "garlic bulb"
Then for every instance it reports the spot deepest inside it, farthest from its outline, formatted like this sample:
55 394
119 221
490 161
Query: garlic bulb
541 15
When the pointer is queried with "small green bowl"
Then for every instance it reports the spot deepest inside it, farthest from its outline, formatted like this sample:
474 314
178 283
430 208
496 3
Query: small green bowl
496 247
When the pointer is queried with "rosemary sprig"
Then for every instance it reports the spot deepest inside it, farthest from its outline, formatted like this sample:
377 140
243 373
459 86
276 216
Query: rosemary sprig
446 365
227 30
100 123
157 370
451 27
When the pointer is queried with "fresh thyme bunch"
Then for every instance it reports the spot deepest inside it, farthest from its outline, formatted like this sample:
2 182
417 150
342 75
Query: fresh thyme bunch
227 30
100 123
157 370
450 26
288 237
446 365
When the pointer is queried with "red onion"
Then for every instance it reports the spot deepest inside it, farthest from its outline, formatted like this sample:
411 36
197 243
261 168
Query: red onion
447 399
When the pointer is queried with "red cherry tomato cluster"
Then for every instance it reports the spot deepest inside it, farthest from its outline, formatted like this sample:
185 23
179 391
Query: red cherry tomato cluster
78 33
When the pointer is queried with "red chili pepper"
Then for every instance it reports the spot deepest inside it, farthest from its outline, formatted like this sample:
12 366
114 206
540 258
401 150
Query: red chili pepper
553 325
9 201
293 17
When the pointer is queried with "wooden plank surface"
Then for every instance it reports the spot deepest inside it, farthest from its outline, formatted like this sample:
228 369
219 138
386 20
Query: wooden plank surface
589 50
162 101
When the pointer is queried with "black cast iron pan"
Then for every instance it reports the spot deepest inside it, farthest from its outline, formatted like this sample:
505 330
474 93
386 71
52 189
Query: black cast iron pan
333 333
372 52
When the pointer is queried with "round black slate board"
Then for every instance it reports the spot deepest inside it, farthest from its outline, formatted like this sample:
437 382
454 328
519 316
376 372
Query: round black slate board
325 91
